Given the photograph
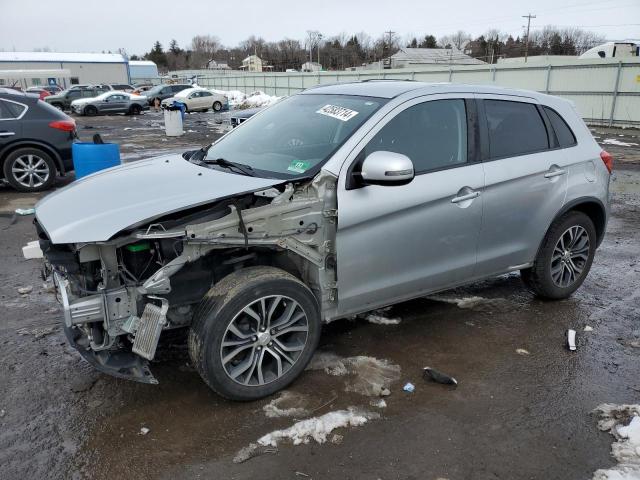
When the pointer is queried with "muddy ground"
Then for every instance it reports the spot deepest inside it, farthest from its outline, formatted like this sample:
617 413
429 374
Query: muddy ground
523 415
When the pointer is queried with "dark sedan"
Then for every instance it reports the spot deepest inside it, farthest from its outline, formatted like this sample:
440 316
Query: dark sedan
35 141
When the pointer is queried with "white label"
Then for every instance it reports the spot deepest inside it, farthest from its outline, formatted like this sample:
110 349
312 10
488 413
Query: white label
335 111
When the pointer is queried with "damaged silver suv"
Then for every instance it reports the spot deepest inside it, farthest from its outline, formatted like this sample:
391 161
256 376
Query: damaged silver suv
335 201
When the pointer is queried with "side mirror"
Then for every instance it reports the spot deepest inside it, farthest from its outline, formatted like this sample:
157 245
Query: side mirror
387 168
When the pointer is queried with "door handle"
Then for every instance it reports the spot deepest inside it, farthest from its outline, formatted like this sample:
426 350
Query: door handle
463 198
7 134
554 173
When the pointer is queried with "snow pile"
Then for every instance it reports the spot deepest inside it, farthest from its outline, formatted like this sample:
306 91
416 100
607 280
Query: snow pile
478 304
368 376
240 100
378 317
288 404
613 141
318 428
623 422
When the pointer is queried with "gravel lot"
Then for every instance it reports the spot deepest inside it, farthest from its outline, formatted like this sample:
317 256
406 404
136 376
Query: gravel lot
522 409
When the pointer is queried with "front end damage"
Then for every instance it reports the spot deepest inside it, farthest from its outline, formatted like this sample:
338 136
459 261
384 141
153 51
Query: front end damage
120 295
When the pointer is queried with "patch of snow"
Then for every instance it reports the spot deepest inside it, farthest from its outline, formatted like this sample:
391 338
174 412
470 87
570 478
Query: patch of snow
238 99
367 376
377 319
623 422
288 404
588 328
143 431
613 141
522 351
317 428
379 403
479 304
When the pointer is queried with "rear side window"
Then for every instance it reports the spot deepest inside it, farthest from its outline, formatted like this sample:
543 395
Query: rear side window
432 134
515 128
566 138
10 110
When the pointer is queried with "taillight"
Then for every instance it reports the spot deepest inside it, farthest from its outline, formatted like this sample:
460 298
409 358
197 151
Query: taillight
64 125
607 159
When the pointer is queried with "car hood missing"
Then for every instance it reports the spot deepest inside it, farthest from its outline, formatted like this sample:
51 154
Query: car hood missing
97 207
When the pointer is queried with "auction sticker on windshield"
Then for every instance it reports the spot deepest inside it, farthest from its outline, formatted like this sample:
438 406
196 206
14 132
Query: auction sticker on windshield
298 166
335 111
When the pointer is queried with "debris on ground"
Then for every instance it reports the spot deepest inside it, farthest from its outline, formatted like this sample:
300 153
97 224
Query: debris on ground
571 339
318 428
587 328
25 290
522 351
336 438
2 413
379 403
144 431
25 211
438 377
302 474
288 404
366 375
380 320
32 250
409 387
37 332
623 422
250 451
385 392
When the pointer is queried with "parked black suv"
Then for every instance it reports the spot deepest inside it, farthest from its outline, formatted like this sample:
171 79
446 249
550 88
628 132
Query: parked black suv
63 99
35 141
164 91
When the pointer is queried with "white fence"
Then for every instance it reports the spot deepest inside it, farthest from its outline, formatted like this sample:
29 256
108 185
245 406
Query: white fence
606 92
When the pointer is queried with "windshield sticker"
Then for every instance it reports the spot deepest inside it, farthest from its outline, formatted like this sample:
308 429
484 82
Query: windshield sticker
334 111
298 166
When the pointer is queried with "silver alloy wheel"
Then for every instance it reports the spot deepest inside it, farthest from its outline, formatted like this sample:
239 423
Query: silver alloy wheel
570 255
30 170
264 340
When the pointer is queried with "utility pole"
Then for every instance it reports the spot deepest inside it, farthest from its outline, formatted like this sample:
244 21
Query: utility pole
526 40
384 61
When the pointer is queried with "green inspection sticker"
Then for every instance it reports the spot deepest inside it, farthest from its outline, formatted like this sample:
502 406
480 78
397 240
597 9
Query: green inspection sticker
298 166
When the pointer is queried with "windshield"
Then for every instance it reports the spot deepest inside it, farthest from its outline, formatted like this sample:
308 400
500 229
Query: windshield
295 136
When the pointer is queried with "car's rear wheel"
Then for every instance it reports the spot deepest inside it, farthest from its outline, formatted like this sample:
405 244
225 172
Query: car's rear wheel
135 110
90 110
29 170
254 333
217 106
565 257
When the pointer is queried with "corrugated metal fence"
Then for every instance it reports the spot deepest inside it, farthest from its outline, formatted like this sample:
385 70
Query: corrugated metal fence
606 92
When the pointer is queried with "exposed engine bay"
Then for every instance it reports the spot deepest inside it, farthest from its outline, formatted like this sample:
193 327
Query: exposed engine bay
121 294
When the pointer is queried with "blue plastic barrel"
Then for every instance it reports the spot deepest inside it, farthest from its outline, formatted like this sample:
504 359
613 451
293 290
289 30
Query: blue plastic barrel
182 107
89 158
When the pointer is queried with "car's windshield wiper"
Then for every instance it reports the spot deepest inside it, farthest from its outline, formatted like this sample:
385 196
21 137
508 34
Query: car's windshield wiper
242 168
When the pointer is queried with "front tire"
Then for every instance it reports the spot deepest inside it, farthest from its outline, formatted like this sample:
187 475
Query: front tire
29 170
254 333
564 259
90 111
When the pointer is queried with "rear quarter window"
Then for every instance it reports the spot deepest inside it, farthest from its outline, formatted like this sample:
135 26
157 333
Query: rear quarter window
10 110
565 136
515 128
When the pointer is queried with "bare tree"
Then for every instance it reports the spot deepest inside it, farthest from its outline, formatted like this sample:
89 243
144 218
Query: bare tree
203 49
455 40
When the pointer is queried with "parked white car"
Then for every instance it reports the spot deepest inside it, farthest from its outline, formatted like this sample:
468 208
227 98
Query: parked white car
198 98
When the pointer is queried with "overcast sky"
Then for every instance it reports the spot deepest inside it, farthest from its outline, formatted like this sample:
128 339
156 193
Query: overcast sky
79 26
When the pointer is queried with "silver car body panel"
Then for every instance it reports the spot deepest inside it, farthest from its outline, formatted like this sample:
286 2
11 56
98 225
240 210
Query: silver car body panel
88 210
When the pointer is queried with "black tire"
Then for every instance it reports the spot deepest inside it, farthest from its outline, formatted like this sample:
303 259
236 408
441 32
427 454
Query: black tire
226 302
59 106
90 111
543 278
135 109
25 156
217 106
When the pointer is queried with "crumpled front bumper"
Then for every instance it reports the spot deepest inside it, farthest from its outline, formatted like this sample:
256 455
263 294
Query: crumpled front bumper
119 363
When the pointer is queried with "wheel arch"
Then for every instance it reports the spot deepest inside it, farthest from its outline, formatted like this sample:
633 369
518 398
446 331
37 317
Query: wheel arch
592 207
32 144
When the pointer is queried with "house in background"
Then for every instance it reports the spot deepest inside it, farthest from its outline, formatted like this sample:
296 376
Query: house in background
252 63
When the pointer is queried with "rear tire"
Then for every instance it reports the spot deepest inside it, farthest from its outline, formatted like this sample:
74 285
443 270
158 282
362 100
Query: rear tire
217 106
254 333
135 110
29 170
564 259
